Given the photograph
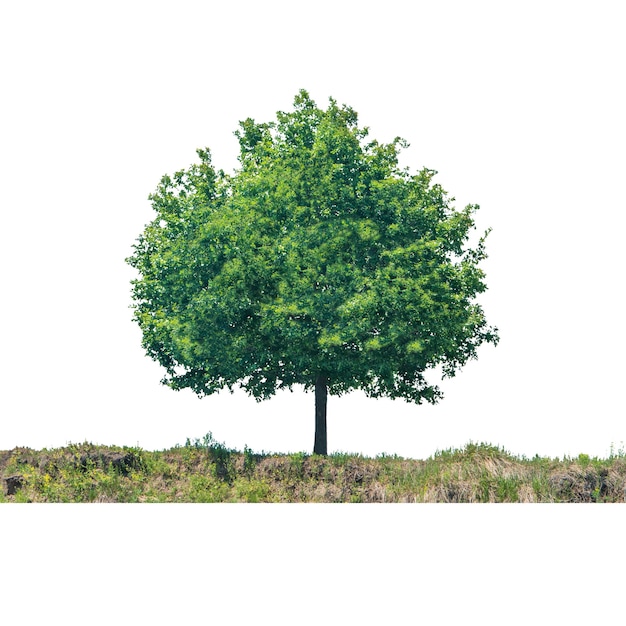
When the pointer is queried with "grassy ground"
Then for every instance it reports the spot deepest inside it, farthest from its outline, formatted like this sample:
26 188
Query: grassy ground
206 471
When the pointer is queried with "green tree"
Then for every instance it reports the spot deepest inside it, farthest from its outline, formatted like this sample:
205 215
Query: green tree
318 262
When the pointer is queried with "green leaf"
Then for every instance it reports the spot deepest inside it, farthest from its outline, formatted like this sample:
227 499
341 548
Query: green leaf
318 256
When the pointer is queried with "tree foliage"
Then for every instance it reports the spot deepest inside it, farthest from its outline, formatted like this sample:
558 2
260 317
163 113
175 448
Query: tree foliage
319 256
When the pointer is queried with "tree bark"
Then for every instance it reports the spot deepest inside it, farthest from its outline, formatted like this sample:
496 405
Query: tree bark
321 394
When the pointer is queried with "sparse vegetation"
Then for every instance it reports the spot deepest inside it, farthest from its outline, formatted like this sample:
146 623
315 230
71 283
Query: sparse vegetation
204 470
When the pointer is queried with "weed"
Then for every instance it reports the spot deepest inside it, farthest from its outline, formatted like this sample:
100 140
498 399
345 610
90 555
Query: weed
296 462
207 489
484 489
341 458
252 491
393 457
507 489
249 461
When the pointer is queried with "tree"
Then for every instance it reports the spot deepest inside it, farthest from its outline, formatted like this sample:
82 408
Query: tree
319 262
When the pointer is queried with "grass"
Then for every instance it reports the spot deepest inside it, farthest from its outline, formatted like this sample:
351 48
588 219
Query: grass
204 470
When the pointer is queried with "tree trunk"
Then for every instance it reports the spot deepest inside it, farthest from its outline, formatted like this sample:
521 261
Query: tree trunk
321 394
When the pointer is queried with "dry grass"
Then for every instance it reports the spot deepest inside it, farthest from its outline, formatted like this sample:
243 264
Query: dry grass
205 471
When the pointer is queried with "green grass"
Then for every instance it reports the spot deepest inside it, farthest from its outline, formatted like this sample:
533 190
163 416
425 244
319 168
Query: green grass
204 470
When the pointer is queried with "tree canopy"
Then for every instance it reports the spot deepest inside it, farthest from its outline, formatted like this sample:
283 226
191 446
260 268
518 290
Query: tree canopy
319 262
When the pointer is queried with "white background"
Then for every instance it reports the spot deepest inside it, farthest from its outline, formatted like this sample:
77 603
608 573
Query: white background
519 109
518 105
